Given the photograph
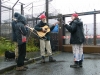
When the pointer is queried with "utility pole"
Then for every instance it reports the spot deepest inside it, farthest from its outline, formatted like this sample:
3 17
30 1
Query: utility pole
22 10
47 7
0 17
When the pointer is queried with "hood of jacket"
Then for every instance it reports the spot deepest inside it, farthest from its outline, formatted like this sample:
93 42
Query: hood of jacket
20 18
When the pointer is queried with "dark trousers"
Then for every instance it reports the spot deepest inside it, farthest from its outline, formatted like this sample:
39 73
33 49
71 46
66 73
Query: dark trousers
21 54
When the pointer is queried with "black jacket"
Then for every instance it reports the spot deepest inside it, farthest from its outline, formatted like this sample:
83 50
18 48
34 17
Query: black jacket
76 30
20 28
41 24
14 38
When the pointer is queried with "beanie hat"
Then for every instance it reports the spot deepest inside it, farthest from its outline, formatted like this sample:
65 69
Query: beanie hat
75 15
42 16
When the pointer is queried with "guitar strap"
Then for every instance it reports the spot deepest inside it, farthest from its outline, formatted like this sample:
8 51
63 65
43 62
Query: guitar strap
38 35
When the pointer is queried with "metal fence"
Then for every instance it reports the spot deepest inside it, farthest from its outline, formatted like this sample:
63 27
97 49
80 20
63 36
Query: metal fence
6 18
91 30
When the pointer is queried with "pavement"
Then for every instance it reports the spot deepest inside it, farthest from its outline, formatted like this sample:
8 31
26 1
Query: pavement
6 65
91 66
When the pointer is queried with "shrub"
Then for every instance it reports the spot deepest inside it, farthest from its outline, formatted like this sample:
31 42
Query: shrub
5 45
9 45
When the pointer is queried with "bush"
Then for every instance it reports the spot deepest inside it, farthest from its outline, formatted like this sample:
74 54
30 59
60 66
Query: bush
32 45
6 45
9 45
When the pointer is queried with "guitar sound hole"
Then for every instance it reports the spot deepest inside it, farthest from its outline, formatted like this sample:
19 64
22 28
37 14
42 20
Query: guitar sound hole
45 28
44 31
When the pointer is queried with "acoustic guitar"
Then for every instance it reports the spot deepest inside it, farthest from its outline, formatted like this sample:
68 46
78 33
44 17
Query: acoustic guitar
41 33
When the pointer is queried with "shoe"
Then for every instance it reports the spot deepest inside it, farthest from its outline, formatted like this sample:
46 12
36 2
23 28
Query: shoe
80 63
51 59
76 65
25 66
20 69
43 59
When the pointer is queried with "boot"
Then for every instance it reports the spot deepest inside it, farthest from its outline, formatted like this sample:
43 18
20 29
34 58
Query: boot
43 59
76 65
80 63
20 69
51 59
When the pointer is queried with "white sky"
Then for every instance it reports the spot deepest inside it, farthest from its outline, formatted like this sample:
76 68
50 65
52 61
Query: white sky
64 7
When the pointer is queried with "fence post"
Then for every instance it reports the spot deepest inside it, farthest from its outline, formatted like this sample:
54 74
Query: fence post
94 28
0 17
47 8
63 30
60 40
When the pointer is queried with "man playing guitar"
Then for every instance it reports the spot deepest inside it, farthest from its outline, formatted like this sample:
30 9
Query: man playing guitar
43 28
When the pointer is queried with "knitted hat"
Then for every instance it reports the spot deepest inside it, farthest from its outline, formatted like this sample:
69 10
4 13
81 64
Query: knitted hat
42 16
75 15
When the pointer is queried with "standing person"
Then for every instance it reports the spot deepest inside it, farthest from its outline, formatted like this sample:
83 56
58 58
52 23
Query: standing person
21 40
77 38
14 22
44 43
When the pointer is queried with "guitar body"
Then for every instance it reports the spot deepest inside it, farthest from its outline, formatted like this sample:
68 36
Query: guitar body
41 33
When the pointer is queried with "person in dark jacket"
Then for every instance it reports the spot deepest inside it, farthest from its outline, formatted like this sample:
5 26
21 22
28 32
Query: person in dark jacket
14 22
20 31
77 38
45 41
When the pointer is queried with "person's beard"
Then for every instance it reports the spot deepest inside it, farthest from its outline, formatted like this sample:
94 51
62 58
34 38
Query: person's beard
44 21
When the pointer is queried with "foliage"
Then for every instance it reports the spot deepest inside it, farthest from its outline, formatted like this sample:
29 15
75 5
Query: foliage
6 45
9 45
32 44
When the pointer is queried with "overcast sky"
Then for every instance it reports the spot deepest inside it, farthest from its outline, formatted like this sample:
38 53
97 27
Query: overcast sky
62 6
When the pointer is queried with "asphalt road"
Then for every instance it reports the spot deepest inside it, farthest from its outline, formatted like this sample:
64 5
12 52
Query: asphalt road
91 66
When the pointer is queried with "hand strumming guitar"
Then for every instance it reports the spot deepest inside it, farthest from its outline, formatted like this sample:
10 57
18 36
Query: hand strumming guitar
44 30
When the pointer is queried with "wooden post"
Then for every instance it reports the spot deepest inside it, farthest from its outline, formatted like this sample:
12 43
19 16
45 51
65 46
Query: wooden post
63 30
60 40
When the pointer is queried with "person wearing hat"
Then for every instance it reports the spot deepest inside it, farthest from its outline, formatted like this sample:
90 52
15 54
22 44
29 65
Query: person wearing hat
75 27
44 43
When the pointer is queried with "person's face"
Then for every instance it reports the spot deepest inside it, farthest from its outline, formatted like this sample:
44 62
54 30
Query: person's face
72 17
44 19
14 19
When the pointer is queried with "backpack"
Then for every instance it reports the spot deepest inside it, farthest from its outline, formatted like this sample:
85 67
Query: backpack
55 28
9 55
